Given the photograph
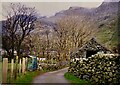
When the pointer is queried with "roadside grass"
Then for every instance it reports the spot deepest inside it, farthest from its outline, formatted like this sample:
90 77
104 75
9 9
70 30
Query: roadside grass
26 79
74 80
0 72
9 79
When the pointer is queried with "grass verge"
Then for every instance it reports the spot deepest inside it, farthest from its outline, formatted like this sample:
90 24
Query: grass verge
74 80
0 71
27 78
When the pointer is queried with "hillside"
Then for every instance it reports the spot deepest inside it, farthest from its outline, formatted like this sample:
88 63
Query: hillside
103 18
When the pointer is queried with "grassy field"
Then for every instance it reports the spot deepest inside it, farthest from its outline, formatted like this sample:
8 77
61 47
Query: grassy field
74 80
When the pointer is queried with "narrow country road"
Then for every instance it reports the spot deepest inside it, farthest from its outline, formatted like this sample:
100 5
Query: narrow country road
52 77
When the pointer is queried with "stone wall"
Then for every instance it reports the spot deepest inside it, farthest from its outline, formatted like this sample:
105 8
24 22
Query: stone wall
99 69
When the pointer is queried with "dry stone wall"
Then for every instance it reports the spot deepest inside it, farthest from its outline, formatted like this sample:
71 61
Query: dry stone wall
99 69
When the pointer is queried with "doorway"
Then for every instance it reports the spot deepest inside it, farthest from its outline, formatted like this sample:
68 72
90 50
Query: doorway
89 53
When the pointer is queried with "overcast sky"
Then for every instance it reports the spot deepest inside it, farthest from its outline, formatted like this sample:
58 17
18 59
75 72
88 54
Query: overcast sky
46 8
50 8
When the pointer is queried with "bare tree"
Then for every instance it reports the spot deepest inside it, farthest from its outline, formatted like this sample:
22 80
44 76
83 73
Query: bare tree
72 33
48 43
20 22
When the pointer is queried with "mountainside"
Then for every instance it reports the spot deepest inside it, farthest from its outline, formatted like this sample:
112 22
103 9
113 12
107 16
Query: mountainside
100 16
103 17
106 10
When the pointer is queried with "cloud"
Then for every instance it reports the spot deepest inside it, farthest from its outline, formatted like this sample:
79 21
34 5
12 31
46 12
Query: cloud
50 8
51 0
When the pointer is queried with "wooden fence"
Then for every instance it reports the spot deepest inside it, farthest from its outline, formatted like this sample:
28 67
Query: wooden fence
13 69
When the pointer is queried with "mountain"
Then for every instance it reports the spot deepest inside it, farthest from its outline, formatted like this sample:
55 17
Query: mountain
103 17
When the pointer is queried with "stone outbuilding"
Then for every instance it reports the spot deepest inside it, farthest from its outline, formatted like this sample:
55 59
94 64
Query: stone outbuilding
90 48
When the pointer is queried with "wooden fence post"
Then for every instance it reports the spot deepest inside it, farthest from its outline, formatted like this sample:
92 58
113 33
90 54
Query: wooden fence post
20 66
12 67
4 70
16 67
26 61
23 66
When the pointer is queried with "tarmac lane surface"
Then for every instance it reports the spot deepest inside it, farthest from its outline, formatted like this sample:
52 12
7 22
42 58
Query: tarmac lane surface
52 78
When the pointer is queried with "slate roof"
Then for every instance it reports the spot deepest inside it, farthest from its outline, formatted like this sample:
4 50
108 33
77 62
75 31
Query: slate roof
90 45
93 45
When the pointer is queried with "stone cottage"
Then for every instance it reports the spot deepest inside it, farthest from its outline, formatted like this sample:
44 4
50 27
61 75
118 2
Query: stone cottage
90 48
